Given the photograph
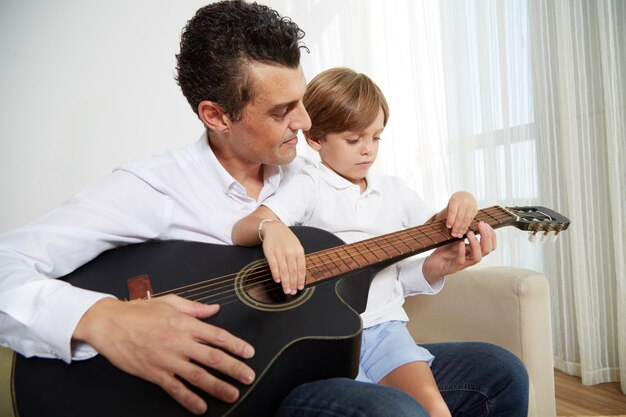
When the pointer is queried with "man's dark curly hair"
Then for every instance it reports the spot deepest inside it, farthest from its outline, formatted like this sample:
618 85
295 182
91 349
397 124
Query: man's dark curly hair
219 42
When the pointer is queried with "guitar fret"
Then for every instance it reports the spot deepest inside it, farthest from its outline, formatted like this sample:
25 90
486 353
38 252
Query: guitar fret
416 239
332 264
419 230
370 255
382 249
351 262
323 268
394 242
359 252
345 266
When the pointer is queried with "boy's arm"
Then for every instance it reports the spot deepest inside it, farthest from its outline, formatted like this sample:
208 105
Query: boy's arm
246 231
284 253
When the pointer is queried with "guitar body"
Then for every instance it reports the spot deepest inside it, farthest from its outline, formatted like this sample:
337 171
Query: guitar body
311 336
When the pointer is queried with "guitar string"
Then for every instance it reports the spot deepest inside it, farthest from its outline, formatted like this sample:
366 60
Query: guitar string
261 274
269 282
507 217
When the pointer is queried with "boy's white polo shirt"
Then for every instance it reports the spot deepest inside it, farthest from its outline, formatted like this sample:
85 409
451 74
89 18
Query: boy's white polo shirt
320 198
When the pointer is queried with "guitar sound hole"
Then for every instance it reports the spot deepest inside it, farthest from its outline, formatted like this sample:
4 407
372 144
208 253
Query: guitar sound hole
268 292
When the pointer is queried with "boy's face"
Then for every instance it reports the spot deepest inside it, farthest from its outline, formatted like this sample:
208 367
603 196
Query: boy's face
266 133
351 154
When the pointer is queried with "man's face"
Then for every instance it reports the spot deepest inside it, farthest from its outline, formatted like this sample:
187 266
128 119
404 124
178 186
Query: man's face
266 132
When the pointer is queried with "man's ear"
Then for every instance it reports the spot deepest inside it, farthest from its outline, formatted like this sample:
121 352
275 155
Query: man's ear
313 142
213 116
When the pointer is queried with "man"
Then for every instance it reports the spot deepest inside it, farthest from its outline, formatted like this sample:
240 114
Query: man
239 69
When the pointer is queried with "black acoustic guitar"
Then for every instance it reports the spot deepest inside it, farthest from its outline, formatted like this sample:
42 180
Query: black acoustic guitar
310 336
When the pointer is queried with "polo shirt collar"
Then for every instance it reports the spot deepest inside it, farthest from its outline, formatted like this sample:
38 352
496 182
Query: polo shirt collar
340 183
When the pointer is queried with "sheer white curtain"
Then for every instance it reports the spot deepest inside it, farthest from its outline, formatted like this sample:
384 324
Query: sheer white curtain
520 102
579 70
536 95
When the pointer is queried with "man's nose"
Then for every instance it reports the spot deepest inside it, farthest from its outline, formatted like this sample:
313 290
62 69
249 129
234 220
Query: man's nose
301 119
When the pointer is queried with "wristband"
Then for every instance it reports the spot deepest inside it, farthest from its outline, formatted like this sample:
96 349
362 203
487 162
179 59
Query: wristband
261 223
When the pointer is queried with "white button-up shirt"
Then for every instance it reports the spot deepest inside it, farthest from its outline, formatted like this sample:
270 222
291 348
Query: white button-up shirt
184 194
320 198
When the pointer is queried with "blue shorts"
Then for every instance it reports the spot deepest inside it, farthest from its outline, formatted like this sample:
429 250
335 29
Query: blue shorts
386 346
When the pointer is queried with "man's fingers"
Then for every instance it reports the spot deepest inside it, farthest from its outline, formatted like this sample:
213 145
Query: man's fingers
200 378
192 308
221 338
181 394
219 360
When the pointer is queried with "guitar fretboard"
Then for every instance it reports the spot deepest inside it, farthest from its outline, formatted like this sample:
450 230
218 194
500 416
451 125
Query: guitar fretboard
393 247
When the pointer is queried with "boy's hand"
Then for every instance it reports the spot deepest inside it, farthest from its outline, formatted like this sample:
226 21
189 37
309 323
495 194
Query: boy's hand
285 256
456 256
460 213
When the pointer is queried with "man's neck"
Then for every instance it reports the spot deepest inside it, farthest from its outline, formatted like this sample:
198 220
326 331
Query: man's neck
247 173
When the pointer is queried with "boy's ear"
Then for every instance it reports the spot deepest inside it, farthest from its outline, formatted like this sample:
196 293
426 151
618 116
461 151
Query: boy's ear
213 116
313 142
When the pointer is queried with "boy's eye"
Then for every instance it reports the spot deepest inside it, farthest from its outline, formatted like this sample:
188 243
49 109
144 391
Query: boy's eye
352 141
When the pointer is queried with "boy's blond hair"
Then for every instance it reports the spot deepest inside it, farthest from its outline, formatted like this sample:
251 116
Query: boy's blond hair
339 100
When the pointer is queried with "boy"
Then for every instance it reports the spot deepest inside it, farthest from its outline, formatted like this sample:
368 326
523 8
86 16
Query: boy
348 114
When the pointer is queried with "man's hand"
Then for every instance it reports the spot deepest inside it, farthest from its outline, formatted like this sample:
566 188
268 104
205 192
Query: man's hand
456 256
159 339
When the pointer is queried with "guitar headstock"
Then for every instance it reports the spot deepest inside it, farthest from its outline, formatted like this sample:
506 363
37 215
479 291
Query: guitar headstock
537 219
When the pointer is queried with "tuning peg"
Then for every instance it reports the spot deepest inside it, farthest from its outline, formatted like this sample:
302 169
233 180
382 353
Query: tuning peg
544 236
532 236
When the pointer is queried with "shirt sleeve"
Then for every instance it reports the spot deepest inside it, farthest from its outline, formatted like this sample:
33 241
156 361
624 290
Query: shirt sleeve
413 280
38 313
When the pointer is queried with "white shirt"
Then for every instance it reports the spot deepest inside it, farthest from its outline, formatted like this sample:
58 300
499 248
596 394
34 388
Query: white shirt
184 194
319 197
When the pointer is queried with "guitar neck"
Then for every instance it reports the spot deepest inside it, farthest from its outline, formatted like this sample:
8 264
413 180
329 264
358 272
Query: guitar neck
392 247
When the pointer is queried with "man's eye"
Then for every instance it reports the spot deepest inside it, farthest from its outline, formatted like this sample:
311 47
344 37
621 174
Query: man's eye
281 115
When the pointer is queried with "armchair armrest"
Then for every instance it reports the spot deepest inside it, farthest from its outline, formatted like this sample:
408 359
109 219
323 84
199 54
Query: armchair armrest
506 306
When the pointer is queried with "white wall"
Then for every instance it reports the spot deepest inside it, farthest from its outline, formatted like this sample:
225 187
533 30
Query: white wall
85 86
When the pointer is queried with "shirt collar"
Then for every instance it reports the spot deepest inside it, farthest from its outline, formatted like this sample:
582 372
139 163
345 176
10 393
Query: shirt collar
271 174
340 183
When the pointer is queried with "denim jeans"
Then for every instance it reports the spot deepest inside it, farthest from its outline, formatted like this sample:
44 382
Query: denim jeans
475 379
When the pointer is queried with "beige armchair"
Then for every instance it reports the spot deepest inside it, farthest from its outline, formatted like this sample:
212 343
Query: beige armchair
506 306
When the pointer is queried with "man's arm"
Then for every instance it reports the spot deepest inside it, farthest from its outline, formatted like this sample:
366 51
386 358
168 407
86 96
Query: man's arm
155 340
